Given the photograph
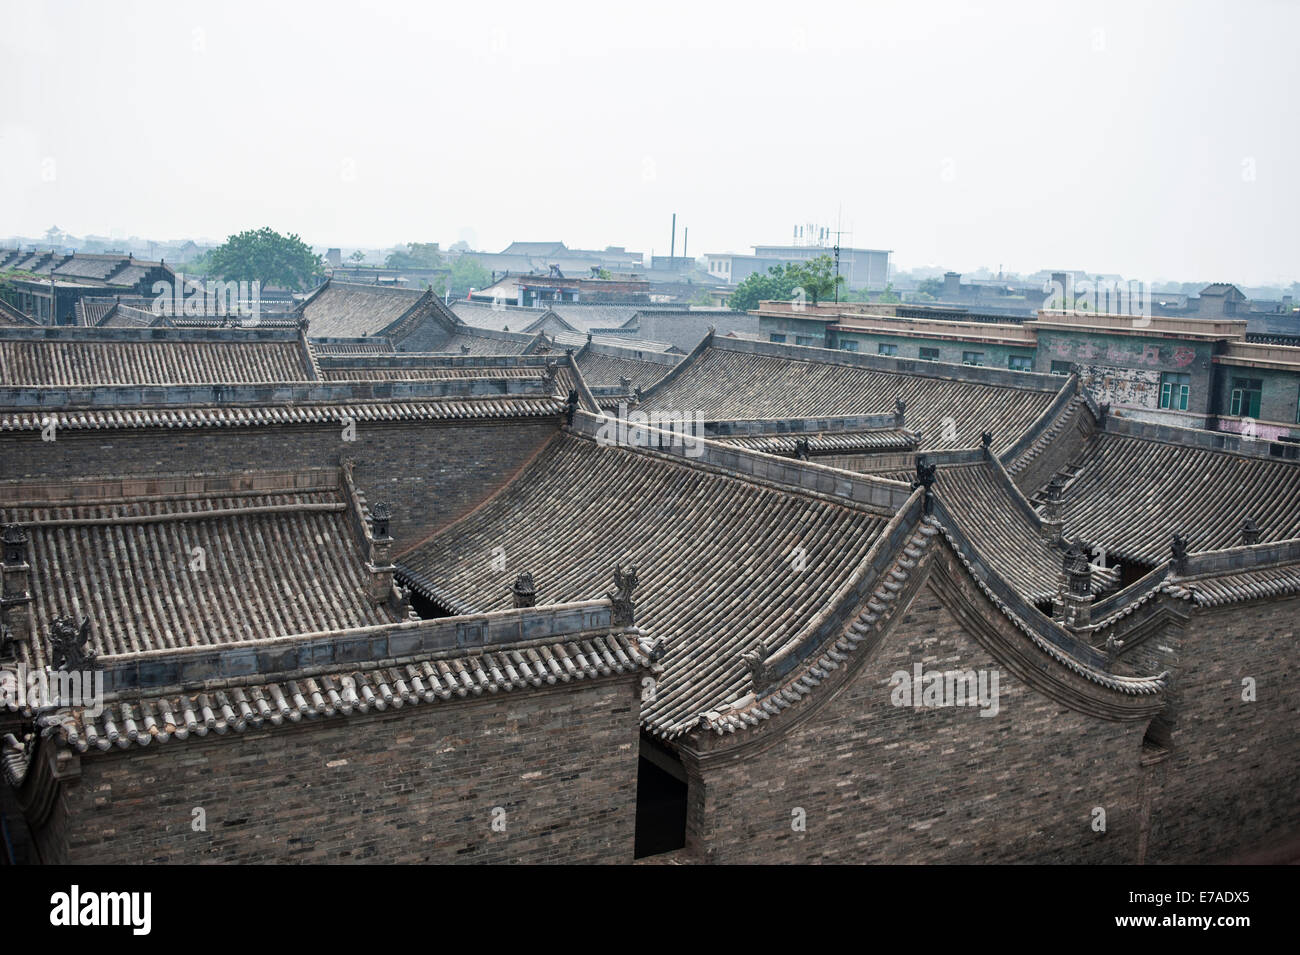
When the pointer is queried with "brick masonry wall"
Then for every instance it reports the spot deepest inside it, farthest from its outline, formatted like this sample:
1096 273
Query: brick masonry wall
417 784
1232 779
431 472
881 783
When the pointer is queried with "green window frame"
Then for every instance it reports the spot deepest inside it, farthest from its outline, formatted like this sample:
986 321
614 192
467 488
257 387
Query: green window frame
972 358
929 354
1175 391
1246 395
885 348
1020 363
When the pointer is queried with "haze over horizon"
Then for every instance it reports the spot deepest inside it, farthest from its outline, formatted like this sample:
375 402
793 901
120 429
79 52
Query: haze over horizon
1158 141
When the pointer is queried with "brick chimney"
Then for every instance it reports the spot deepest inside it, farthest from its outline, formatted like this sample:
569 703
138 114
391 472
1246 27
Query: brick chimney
1053 509
16 593
380 566
1074 602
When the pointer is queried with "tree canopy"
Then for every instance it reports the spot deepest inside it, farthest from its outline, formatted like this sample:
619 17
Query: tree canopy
418 255
265 256
467 273
816 278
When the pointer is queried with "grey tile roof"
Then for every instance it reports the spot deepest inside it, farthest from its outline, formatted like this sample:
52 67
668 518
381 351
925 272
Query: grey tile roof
342 310
728 379
275 563
427 679
78 357
1131 495
713 554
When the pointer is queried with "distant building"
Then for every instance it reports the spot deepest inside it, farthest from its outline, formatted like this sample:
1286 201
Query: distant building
1188 372
48 285
861 268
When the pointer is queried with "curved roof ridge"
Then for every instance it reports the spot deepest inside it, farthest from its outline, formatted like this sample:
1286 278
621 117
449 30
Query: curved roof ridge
872 623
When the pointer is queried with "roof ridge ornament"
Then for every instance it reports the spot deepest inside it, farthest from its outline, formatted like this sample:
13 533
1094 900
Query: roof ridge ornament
1178 554
802 451
524 591
570 406
625 582
926 471
755 660
68 642
1250 531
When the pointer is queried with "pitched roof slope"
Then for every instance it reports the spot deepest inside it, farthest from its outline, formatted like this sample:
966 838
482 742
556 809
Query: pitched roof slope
273 563
343 310
714 555
729 379
78 356
1131 495
605 368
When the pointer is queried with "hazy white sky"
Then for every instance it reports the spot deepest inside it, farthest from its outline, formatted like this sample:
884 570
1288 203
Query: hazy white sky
1158 140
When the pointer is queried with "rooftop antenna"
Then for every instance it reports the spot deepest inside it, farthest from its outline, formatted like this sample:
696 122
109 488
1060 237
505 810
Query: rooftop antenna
839 221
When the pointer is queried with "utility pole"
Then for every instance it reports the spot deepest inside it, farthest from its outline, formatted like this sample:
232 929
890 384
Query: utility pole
672 249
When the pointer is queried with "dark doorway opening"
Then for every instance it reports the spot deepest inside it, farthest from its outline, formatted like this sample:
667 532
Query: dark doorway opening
660 810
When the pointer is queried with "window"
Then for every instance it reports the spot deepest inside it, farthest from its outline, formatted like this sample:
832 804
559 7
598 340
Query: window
1020 363
777 338
1246 393
883 349
1060 368
929 354
1174 391
848 346
804 340
972 358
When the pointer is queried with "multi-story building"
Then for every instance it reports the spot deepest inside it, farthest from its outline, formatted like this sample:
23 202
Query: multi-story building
1191 372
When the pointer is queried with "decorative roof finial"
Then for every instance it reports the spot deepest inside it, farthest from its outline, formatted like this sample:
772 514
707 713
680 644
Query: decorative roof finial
760 674
1250 531
925 477
14 538
68 644
380 514
621 596
523 590
570 406
801 449
986 440
1178 551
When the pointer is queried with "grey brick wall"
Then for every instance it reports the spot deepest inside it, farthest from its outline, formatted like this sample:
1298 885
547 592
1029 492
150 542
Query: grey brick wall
881 783
431 472
418 784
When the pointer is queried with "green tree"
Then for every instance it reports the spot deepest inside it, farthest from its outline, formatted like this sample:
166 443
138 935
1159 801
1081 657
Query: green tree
930 287
418 255
772 286
267 257
358 256
816 277
466 273
889 296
